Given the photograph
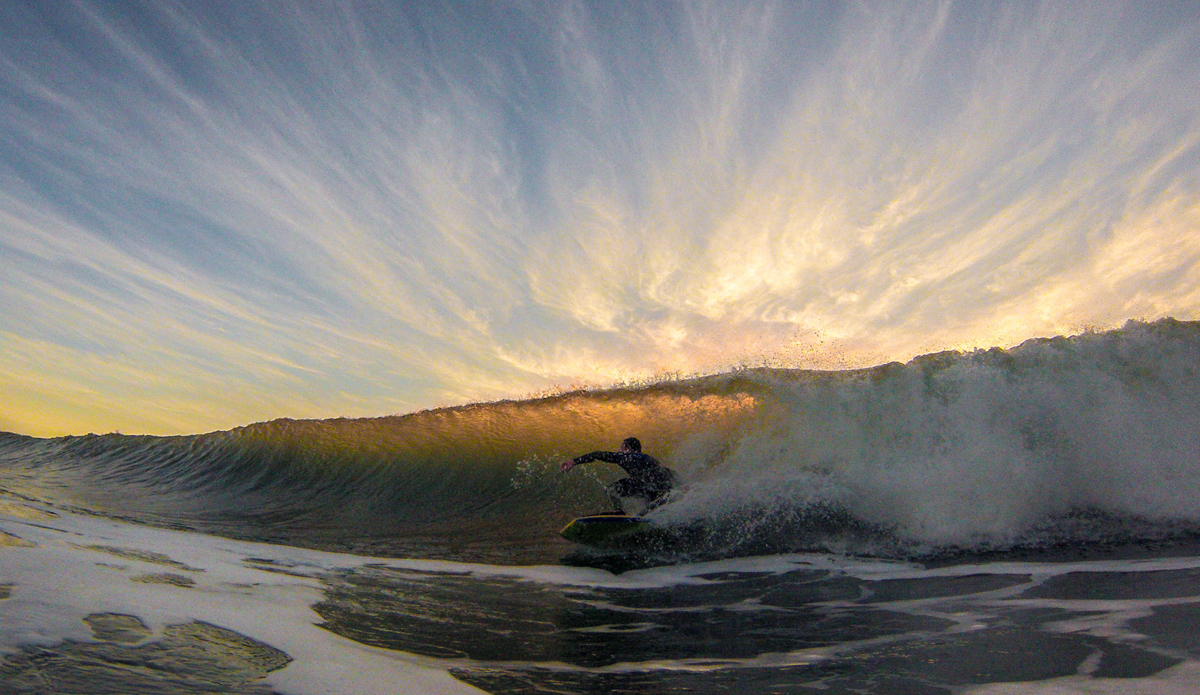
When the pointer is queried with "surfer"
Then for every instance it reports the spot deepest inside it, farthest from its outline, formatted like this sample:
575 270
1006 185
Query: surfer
648 478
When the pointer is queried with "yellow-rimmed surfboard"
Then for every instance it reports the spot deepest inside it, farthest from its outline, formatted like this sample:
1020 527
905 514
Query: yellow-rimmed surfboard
608 527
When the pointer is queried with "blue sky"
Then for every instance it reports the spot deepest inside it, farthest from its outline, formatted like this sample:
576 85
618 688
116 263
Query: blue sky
213 214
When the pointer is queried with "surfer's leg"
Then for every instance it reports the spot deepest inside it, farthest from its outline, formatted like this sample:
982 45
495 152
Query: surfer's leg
656 488
625 487
615 499
656 497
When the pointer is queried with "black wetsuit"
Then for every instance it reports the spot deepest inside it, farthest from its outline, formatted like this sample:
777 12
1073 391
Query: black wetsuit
647 477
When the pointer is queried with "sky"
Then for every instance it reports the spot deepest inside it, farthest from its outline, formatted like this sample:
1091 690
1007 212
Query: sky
213 214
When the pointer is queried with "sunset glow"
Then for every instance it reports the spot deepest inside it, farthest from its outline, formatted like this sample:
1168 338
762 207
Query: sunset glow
215 215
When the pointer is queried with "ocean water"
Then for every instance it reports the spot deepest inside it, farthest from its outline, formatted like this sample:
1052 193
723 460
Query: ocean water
999 521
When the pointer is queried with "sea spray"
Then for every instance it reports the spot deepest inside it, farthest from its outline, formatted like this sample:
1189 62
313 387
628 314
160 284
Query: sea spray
982 448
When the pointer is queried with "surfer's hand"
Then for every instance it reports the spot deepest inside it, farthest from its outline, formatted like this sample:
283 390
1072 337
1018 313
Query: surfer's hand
567 465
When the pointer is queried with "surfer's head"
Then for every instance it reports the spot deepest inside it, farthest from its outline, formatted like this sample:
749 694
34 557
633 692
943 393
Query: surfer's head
631 444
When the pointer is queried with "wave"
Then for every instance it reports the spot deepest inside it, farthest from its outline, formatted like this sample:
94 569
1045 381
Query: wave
1089 438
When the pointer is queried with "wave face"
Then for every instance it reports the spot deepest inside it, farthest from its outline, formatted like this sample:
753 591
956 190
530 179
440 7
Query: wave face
1092 439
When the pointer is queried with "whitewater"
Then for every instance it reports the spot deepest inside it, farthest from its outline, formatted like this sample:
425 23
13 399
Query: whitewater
993 521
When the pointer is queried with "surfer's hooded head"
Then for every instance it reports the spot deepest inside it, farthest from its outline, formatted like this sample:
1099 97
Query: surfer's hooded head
632 444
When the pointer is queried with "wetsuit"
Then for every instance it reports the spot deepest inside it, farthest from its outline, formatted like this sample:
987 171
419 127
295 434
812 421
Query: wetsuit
647 477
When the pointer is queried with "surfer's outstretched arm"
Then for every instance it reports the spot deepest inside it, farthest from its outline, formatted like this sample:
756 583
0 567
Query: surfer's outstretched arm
605 456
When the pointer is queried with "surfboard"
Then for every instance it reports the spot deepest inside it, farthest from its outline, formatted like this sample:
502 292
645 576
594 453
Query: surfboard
606 528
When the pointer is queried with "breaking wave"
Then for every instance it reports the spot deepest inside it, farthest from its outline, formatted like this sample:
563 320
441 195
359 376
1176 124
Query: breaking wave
1088 439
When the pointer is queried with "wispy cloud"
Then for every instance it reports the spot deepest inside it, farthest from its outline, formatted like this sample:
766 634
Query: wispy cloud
214 215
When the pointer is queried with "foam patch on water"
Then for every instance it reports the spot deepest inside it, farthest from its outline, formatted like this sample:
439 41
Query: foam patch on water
72 573
1180 680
